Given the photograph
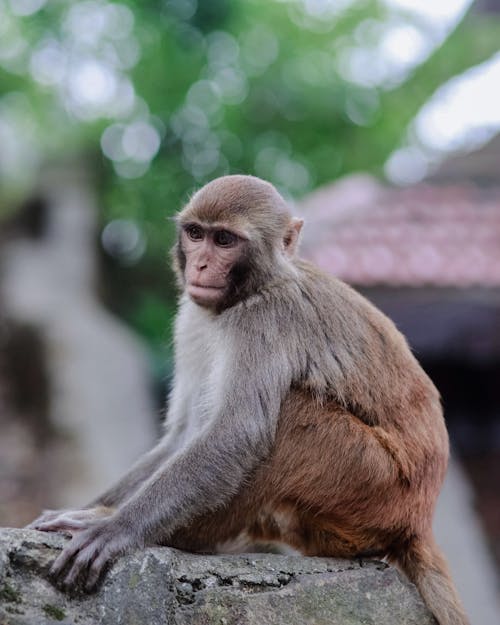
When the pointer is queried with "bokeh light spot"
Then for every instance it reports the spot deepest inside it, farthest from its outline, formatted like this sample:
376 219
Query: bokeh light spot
123 240
140 141
26 7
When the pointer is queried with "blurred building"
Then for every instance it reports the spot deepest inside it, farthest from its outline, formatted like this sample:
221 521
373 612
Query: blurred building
429 256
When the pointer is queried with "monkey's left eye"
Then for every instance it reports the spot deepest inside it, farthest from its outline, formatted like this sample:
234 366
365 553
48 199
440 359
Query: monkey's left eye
195 233
224 238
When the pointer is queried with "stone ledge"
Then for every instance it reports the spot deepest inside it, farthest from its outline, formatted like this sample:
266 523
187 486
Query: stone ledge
164 586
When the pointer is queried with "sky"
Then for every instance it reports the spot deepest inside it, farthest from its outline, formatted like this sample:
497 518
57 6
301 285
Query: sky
462 114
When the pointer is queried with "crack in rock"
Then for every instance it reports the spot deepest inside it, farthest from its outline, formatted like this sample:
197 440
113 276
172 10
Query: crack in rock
160 585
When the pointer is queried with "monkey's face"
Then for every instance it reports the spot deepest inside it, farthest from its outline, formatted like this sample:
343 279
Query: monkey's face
210 253
235 236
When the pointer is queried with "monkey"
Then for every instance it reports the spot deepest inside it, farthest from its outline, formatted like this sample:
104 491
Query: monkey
298 414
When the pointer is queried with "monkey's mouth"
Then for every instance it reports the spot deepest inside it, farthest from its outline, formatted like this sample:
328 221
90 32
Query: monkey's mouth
197 285
203 290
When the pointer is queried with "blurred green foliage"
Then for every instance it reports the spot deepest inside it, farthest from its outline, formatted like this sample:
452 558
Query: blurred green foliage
163 95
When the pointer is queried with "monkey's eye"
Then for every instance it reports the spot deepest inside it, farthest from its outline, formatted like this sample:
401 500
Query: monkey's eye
224 238
194 232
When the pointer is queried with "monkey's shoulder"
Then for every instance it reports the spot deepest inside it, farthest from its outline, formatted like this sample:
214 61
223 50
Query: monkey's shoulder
313 312
321 284
307 303
337 303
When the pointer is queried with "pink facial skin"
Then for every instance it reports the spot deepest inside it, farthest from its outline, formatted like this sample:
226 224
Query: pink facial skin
210 255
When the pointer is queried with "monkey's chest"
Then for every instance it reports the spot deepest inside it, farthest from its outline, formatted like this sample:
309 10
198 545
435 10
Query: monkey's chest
202 390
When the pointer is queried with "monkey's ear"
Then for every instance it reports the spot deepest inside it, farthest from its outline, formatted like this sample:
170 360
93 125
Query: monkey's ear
291 238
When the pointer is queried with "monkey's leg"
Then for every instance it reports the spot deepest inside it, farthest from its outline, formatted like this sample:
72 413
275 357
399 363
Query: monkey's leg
359 490
348 484
222 530
296 496
325 467
332 486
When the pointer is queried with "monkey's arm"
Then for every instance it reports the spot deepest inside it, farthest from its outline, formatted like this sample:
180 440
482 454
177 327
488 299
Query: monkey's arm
120 492
144 468
200 477
104 505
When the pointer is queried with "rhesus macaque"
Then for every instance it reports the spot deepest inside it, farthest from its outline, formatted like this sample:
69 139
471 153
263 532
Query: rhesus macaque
298 414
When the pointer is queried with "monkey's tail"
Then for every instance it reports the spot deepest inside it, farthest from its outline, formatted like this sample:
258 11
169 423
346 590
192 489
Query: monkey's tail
426 567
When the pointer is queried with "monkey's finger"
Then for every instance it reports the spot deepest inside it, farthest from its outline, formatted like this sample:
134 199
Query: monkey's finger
33 525
68 553
95 570
47 515
80 565
60 525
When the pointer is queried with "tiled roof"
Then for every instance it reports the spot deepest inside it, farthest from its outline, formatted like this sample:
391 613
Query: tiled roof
371 235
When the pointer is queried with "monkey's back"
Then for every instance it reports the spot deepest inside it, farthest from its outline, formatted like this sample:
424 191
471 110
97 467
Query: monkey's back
357 360
362 352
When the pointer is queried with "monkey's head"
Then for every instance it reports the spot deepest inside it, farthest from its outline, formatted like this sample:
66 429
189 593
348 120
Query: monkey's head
235 235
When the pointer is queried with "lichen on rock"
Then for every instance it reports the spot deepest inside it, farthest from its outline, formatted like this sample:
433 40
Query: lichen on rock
162 586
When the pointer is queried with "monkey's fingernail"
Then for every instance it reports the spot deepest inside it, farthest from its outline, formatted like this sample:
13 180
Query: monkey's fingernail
90 585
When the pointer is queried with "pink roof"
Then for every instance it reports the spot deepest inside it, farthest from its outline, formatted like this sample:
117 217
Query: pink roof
371 235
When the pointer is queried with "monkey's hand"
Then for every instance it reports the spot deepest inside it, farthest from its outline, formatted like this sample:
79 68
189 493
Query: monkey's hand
69 520
85 557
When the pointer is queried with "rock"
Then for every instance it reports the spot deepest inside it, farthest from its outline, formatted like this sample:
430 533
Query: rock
163 586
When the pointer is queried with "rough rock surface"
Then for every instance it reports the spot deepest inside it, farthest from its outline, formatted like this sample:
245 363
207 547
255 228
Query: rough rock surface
164 586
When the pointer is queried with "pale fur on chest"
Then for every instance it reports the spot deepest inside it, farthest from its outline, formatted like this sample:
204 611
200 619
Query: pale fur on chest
201 357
